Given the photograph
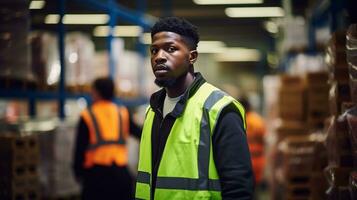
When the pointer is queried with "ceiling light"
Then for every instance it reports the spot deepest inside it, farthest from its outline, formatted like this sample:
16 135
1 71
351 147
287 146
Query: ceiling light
216 2
146 39
37 4
255 12
78 19
119 31
211 47
237 54
271 27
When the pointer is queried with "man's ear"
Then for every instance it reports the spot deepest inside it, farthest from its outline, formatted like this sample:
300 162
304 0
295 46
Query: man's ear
193 56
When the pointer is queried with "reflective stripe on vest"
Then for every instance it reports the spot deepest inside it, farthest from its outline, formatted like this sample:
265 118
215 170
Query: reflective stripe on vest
99 137
203 185
101 149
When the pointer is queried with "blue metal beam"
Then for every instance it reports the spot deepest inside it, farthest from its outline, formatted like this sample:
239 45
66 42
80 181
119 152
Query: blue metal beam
122 12
61 32
112 22
37 95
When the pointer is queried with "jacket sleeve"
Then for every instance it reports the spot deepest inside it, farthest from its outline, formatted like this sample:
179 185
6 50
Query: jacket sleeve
81 143
232 157
135 130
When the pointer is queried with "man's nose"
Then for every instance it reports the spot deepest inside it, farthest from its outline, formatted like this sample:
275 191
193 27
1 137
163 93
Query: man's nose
160 57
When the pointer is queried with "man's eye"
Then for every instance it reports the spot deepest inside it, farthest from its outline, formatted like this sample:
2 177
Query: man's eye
171 49
153 51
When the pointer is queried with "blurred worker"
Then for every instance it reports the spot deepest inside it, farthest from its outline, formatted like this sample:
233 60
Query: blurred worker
255 133
101 157
193 144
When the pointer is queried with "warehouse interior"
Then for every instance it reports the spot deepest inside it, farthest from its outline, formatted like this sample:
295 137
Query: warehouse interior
294 61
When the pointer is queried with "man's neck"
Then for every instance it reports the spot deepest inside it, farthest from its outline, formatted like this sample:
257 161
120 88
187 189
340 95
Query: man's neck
181 86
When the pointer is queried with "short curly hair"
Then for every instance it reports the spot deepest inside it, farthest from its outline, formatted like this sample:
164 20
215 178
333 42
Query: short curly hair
179 26
104 87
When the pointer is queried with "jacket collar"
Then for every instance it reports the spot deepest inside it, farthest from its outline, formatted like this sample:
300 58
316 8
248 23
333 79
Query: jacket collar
157 99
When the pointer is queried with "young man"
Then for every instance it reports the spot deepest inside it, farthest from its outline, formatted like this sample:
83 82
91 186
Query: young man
193 144
100 160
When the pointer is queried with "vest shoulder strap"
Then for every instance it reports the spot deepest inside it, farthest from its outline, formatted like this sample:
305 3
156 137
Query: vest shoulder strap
122 113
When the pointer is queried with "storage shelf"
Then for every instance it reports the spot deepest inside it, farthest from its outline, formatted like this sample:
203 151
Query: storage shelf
115 11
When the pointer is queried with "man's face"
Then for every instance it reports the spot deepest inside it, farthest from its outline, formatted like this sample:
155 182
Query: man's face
170 58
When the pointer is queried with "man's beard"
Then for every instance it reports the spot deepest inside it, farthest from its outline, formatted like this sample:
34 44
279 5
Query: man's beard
165 83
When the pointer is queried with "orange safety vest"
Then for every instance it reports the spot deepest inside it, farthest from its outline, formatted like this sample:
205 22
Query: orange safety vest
255 135
108 127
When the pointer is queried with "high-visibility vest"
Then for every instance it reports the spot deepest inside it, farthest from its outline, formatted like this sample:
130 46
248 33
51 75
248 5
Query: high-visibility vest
108 127
187 169
255 136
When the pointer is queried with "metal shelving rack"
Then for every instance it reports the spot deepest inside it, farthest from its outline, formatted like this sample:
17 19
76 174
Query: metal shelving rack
114 10
324 13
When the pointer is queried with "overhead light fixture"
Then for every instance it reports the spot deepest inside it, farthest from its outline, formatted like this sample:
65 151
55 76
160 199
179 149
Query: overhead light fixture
224 2
119 31
246 12
146 39
237 54
210 46
78 19
37 4
271 27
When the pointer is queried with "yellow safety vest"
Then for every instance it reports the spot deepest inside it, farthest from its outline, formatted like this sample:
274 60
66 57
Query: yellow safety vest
187 169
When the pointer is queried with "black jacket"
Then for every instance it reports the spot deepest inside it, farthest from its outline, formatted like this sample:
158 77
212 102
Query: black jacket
230 147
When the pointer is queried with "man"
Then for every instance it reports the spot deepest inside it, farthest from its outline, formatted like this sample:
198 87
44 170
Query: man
255 133
101 154
193 144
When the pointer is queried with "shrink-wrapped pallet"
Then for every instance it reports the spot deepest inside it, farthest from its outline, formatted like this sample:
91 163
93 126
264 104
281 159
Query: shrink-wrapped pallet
14 45
351 44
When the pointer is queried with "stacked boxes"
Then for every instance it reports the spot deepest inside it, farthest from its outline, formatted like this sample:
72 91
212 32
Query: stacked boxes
291 98
340 129
19 167
302 164
301 157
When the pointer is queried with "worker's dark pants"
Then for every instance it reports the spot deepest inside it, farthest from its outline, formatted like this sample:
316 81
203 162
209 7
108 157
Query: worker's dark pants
106 183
